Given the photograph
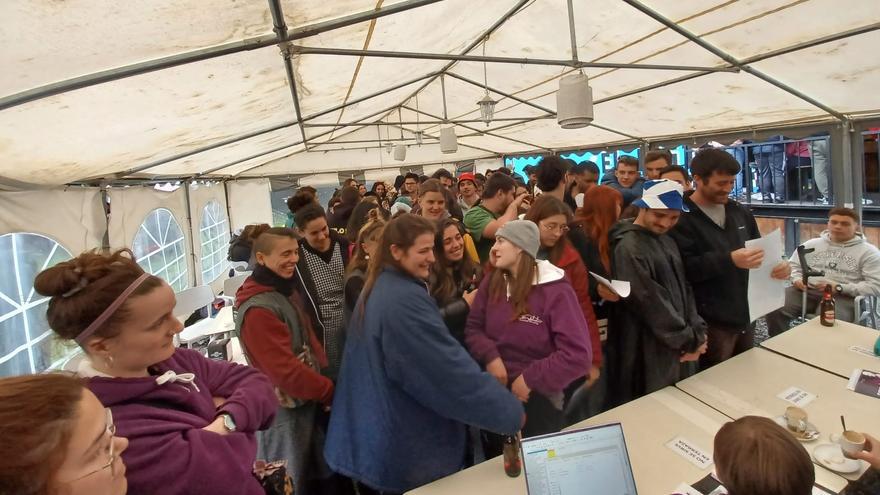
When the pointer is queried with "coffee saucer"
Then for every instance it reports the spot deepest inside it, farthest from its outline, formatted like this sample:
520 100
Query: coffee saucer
807 436
830 456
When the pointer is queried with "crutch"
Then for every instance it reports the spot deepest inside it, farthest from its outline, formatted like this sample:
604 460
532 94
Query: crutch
806 273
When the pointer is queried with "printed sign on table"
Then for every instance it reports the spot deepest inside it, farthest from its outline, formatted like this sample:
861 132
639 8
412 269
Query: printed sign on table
796 396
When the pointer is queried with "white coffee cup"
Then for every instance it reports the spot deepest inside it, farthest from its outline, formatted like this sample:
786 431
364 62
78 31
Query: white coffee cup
851 442
796 419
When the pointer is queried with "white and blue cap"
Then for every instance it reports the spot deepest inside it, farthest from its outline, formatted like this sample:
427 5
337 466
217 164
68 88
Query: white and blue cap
662 194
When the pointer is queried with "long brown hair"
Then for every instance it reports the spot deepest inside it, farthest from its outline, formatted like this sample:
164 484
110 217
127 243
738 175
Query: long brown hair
82 288
401 232
547 206
360 259
520 284
755 455
598 215
445 270
37 417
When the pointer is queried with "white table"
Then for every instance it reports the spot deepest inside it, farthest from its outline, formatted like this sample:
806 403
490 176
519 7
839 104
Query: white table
648 424
748 384
829 348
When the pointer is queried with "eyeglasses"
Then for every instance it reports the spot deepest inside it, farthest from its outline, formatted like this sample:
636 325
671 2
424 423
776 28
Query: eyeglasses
111 462
562 229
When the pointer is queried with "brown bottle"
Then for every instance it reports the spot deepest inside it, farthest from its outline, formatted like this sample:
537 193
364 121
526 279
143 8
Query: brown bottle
826 308
512 461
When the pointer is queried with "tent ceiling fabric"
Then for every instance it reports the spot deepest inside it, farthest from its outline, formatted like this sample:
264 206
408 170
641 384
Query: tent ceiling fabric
173 122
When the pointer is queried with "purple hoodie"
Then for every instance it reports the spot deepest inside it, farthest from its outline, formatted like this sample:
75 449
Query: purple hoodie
168 451
549 346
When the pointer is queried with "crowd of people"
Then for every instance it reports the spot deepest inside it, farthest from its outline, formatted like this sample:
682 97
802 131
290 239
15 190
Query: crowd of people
398 335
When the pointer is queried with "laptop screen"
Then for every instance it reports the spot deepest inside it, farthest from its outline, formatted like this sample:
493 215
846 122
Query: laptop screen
579 462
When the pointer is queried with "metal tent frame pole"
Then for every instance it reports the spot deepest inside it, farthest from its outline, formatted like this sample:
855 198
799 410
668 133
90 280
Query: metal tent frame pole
204 54
280 28
730 59
209 147
314 50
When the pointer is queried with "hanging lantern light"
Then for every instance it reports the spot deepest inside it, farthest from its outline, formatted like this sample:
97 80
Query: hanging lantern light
388 147
448 140
574 101
486 104
419 136
400 152
487 108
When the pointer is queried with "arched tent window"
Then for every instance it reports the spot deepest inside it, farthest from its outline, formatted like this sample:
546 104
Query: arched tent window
214 235
27 344
160 248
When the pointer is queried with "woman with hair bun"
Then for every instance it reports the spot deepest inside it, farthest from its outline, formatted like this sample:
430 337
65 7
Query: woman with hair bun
190 420
57 439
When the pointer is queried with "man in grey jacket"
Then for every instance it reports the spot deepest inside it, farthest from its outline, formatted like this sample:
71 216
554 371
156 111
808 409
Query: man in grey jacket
851 265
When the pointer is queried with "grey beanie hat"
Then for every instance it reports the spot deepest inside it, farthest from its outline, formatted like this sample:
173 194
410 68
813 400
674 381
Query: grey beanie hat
523 234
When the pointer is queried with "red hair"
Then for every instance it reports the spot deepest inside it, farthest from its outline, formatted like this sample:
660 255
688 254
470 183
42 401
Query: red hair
597 216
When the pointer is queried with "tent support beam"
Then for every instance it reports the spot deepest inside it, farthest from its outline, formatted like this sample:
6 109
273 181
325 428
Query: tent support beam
757 58
479 132
260 132
507 15
730 59
550 113
437 138
314 50
280 28
203 54
264 153
572 33
434 122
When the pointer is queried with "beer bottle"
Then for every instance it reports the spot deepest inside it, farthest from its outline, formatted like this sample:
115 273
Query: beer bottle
826 308
512 461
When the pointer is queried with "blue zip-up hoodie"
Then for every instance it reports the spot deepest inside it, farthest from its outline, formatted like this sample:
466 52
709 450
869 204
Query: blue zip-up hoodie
405 392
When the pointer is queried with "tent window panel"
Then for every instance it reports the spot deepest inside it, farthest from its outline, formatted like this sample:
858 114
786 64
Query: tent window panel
159 248
214 232
27 344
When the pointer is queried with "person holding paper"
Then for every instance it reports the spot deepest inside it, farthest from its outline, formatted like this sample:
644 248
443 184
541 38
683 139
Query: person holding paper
656 335
851 265
711 239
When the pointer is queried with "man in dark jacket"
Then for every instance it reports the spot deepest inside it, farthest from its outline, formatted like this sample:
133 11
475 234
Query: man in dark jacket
626 179
321 271
655 334
711 239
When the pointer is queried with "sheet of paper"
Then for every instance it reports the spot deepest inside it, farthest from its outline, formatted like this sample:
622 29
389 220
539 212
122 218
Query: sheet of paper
766 294
619 287
691 452
796 396
863 351
685 489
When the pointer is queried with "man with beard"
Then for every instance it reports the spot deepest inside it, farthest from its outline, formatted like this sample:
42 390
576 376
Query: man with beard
712 239
655 334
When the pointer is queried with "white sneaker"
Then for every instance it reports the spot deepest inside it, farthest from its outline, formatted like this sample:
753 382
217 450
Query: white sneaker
867 202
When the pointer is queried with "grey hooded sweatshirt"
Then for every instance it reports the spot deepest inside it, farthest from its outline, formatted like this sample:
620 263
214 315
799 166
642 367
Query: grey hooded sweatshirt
854 264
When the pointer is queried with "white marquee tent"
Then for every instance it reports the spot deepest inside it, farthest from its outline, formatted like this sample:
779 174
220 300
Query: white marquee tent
98 95
104 89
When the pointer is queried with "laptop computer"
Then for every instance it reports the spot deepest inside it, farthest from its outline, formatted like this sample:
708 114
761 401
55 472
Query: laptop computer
579 462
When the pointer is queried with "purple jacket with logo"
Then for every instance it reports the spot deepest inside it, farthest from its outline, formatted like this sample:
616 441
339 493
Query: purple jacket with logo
169 453
549 346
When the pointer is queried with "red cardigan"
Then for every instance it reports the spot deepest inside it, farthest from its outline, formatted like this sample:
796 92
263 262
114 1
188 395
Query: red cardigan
576 273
